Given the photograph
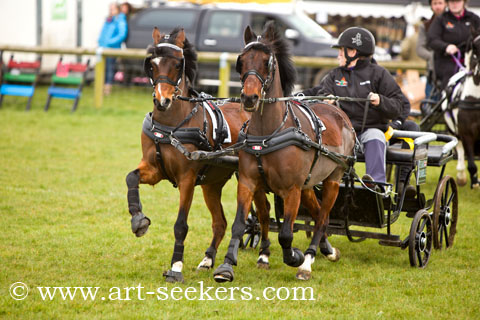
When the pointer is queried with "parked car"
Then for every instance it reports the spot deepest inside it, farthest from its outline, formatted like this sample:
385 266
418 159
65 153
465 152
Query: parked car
215 28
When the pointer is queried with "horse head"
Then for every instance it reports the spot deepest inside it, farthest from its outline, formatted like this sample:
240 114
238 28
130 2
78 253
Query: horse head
262 58
172 60
473 59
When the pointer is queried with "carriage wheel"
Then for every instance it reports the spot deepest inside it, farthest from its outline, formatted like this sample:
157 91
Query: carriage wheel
420 239
445 213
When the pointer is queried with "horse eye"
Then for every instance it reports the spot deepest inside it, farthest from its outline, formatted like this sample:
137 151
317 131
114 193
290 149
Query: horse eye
178 66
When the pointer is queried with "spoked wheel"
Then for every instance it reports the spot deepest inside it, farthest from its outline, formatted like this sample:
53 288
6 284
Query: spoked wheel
420 239
445 213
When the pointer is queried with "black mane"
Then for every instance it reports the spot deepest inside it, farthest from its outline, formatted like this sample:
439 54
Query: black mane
189 53
281 49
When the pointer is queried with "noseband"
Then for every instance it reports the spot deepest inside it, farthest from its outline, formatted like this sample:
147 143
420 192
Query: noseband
266 82
165 79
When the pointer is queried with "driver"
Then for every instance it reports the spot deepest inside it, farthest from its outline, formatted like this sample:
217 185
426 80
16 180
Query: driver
448 35
359 76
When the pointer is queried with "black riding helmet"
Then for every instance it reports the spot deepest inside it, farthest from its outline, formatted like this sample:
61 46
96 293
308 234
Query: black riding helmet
356 38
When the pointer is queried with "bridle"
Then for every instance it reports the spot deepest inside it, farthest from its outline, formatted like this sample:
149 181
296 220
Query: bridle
272 65
147 65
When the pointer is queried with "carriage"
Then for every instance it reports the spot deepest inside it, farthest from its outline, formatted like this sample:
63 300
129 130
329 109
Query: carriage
298 160
434 219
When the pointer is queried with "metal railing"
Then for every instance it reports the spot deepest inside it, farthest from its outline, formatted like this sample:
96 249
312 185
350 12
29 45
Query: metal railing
225 60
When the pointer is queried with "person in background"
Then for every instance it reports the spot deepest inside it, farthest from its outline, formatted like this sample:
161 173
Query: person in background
114 32
447 36
127 9
359 76
424 52
408 50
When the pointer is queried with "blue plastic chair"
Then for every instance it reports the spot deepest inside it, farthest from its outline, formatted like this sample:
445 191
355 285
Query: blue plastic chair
19 79
67 82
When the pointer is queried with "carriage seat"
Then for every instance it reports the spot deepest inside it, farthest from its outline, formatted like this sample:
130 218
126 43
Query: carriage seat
397 155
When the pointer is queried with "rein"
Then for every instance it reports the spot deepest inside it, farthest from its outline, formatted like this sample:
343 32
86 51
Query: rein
298 97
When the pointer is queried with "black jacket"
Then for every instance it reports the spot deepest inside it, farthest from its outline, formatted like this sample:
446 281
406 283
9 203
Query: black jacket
447 29
358 82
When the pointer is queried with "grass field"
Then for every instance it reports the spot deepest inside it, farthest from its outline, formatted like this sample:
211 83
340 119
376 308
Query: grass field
65 223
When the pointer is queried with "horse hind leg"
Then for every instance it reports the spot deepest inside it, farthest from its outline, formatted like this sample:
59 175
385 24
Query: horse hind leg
320 214
139 221
212 195
263 213
472 168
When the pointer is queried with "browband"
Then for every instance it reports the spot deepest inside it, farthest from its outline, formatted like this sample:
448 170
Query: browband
171 46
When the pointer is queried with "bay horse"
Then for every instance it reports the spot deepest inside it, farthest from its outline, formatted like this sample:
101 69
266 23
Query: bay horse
468 117
171 67
288 168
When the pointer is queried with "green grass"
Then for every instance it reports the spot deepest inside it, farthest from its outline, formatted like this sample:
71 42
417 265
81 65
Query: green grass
65 222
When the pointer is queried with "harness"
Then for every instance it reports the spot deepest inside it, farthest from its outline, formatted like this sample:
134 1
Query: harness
178 136
279 139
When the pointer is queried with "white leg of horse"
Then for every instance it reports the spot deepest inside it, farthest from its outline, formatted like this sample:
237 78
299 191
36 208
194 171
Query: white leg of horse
205 264
305 270
262 262
461 173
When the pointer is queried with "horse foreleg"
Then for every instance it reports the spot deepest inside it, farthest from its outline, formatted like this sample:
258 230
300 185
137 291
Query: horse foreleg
186 188
461 174
212 195
139 221
263 213
292 257
224 272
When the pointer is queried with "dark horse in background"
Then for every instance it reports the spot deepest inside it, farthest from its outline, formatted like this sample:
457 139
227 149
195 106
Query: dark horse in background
267 71
468 118
171 66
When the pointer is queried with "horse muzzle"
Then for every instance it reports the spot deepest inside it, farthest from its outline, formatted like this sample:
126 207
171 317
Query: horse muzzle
249 102
163 104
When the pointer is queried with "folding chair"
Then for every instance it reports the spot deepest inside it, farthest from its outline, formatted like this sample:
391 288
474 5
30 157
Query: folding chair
67 82
20 79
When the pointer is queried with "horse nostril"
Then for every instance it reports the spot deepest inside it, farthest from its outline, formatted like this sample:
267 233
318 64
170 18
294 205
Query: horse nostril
167 101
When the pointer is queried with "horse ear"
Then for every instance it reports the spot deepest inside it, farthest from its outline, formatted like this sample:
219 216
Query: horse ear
156 35
269 30
249 35
180 38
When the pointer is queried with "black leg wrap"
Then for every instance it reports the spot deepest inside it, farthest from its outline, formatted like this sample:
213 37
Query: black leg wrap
211 253
312 250
293 257
133 197
265 247
232 253
177 253
325 247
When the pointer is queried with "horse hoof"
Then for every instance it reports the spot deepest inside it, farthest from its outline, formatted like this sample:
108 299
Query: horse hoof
335 256
140 224
475 186
223 273
296 260
173 276
262 262
205 265
304 275
461 182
